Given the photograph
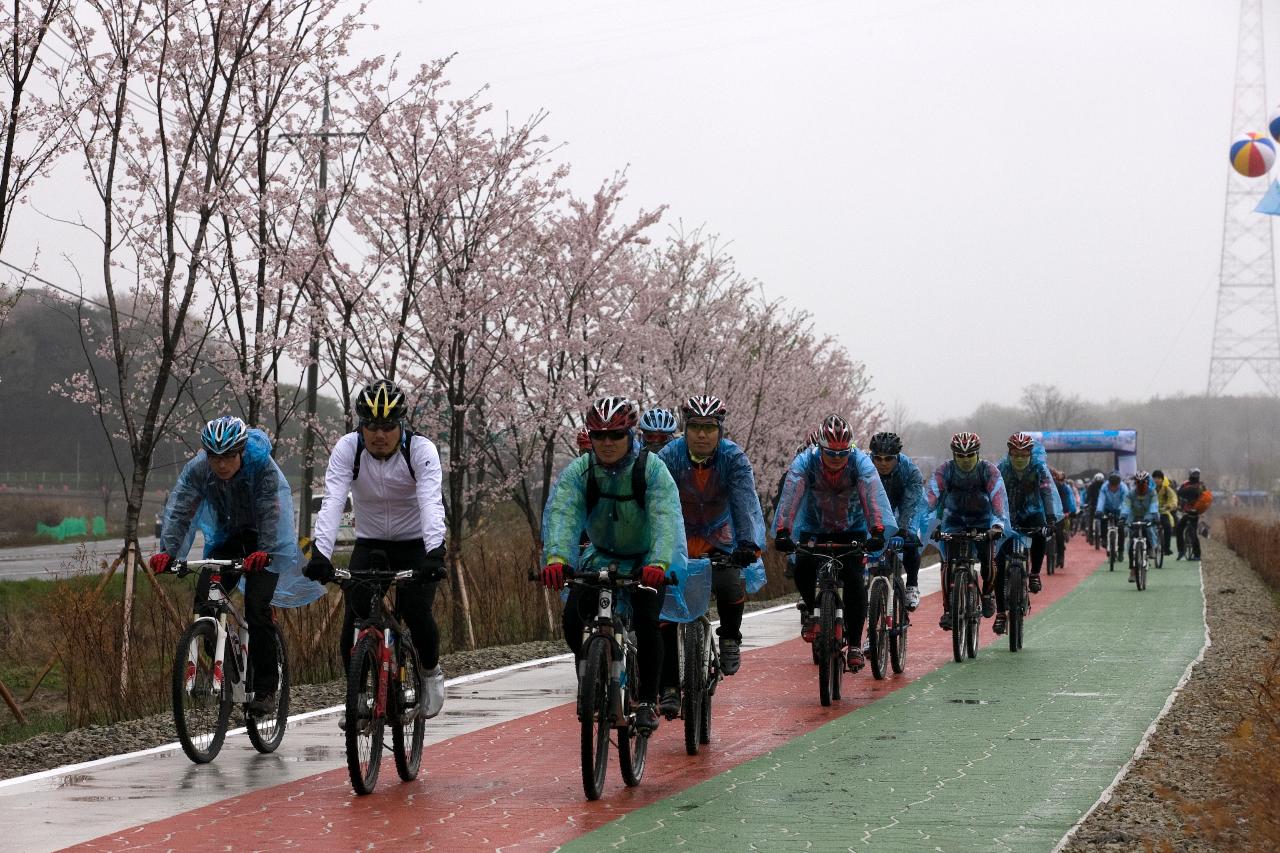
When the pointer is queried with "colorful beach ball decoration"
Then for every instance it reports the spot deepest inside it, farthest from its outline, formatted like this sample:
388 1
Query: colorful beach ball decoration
1273 124
1252 155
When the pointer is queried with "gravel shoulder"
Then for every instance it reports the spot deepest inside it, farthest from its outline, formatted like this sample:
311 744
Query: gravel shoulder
1181 793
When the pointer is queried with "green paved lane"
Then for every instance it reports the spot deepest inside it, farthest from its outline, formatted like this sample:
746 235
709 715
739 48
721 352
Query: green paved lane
1002 753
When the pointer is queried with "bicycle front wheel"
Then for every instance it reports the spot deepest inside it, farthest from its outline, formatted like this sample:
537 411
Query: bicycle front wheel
826 645
975 617
364 725
1140 567
959 617
878 628
1014 590
593 692
694 677
408 726
201 709
267 731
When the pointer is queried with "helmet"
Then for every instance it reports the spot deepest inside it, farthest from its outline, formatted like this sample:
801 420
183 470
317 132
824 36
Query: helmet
381 400
835 434
584 440
1113 477
811 440
704 406
658 420
223 435
612 413
1020 441
1193 474
1142 477
886 444
965 442
1098 478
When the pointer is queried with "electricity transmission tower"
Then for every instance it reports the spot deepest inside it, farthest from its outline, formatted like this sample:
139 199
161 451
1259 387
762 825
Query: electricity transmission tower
1245 330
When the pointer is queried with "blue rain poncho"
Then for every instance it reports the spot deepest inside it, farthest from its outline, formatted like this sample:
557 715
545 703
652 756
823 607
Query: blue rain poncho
816 501
620 531
968 501
1033 496
1111 501
257 498
1067 495
1136 507
905 487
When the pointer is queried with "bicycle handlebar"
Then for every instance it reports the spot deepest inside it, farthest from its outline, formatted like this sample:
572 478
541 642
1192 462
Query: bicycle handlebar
182 568
604 577
345 575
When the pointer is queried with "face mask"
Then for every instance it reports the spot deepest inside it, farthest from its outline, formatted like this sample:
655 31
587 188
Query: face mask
1020 463
966 463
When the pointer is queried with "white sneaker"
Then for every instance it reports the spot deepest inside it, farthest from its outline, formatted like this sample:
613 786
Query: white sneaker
913 597
435 691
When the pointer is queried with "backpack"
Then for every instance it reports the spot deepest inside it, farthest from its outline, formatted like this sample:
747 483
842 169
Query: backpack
638 483
406 439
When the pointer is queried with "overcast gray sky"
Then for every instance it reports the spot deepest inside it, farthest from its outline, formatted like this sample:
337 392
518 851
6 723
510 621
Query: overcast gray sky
973 195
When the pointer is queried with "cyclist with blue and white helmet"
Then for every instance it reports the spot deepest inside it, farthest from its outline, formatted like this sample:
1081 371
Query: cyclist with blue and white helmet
657 429
237 496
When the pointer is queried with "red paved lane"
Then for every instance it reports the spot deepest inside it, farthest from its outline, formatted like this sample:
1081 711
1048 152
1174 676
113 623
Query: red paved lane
517 785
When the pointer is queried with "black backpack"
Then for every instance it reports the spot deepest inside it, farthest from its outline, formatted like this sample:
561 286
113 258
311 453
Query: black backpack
406 439
638 484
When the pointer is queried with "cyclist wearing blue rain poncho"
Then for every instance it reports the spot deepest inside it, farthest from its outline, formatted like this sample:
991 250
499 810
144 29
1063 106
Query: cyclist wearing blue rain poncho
1108 505
969 493
905 487
721 514
1142 503
833 495
236 495
1034 507
598 493
1070 506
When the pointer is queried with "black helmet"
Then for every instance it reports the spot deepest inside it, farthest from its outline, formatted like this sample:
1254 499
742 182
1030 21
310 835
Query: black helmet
1113 478
381 400
886 444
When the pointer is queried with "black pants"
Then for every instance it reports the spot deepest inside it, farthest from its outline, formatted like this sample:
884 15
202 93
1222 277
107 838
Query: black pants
1038 544
984 561
911 562
854 597
414 598
1060 541
645 607
1188 534
258 589
731 600
1109 521
1166 532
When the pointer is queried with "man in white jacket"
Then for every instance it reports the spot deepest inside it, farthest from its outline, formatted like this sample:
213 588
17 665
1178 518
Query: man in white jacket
393 476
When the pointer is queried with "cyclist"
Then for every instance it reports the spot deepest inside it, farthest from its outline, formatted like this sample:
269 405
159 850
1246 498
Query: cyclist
721 513
1070 507
905 487
583 442
1193 500
1168 507
393 476
599 493
1107 507
970 493
657 429
237 496
1090 501
1034 505
1142 504
833 495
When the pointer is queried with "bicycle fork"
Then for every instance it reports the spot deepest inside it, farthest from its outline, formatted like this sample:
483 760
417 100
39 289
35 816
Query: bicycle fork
239 657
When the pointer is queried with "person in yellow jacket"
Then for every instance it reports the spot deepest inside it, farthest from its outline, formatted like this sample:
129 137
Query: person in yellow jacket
1168 498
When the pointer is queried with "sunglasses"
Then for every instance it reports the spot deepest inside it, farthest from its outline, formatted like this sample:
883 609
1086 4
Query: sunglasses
701 427
878 458
972 455
655 437
380 426
836 454
608 434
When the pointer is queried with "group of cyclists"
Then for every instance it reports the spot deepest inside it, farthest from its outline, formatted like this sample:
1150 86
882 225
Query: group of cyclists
648 492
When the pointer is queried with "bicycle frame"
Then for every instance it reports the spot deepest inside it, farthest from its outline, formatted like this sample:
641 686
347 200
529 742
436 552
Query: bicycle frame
385 630
219 600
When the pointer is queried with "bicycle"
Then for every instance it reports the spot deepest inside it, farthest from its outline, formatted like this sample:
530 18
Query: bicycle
829 642
964 574
384 682
1113 540
699 670
1192 530
887 616
1017 590
204 687
1138 552
1050 534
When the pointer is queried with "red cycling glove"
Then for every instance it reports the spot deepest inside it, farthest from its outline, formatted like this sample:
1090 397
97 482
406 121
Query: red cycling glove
553 575
653 576
159 563
256 562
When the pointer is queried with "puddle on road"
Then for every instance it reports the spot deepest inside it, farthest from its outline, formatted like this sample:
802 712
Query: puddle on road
972 701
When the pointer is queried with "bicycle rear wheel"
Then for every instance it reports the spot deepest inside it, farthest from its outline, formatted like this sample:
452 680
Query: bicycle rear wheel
878 628
694 677
364 726
959 617
408 726
901 621
826 645
593 690
1159 554
200 710
633 744
267 731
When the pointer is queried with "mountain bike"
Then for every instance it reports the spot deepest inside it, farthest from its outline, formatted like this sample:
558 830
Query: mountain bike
212 669
1191 533
1138 552
385 682
887 616
1113 541
964 571
829 642
699 669
1017 591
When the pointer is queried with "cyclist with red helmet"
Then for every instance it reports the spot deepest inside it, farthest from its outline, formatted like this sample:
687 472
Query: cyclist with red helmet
597 494
970 493
721 513
905 487
1034 505
583 442
1142 503
833 495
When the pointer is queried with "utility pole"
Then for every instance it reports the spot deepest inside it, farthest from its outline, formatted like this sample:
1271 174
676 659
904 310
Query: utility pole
313 351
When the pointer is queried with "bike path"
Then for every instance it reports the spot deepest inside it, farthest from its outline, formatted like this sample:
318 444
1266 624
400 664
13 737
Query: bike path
516 786
1006 752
